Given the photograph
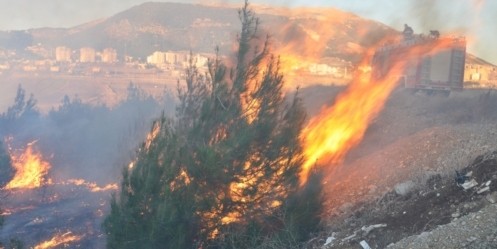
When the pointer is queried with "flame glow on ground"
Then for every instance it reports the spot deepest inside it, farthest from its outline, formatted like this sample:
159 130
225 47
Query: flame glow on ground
57 240
93 187
331 134
31 169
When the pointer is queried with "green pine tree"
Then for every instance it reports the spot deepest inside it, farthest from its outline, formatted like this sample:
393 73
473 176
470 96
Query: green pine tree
224 172
6 170
21 107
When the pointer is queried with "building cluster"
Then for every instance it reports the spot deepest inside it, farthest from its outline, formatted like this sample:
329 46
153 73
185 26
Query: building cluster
89 61
181 59
85 55
331 67
38 58
322 69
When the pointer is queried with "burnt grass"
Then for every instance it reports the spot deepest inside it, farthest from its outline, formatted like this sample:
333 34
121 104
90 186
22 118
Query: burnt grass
438 202
55 210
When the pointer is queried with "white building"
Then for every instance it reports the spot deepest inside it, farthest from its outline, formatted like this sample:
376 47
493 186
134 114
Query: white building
322 69
156 58
181 59
63 54
87 55
109 55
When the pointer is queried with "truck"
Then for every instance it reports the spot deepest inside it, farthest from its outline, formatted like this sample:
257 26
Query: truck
439 72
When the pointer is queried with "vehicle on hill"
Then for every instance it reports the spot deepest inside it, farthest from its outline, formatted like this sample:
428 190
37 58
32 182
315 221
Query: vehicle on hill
439 72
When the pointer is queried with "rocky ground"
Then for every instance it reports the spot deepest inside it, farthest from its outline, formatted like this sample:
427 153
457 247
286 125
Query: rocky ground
411 214
475 230
398 188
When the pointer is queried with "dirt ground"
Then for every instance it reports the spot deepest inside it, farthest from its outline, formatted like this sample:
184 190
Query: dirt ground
412 209
400 181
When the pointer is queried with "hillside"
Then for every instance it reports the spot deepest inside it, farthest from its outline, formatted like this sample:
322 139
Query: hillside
314 34
174 26
399 181
396 186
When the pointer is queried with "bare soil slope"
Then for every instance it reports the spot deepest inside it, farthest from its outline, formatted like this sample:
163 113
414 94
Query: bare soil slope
400 180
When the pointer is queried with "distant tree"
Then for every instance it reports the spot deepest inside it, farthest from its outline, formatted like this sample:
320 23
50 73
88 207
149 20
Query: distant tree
168 101
224 173
71 110
92 135
11 121
133 92
21 107
140 103
20 116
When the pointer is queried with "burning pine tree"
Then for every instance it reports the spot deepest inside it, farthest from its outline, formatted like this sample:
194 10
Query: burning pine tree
224 173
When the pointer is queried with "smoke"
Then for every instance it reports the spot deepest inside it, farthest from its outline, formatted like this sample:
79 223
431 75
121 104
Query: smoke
93 142
87 146
474 19
470 18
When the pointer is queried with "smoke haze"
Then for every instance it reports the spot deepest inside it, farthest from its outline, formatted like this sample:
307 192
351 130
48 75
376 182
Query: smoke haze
93 142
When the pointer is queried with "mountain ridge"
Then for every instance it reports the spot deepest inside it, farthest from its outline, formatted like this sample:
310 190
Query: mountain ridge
152 26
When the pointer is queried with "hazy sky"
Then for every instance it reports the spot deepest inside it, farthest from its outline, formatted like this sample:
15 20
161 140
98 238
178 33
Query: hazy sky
476 19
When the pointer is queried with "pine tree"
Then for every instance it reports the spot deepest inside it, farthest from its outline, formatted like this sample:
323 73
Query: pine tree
21 107
20 115
6 173
6 170
224 172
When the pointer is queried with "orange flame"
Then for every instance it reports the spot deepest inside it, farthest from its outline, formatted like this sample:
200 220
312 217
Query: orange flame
152 135
307 49
330 135
31 170
148 142
182 179
59 239
93 187
6 212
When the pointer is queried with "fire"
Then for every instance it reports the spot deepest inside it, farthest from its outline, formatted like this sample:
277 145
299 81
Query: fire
31 170
93 187
59 239
96 188
152 135
331 134
6 212
131 165
183 178
237 193
307 38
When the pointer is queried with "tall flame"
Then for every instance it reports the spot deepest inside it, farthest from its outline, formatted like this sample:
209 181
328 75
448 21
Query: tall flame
331 134
31 169
57 240
309 43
